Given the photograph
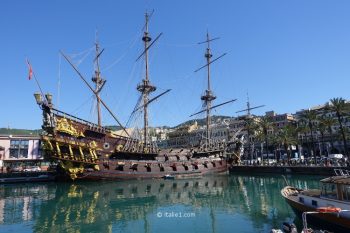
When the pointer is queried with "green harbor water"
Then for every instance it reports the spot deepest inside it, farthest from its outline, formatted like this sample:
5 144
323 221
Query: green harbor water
226 203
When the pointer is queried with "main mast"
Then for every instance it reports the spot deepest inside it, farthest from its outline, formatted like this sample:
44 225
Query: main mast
145 86
209 96
98 82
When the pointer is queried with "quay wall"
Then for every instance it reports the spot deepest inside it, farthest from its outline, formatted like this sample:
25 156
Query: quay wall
301 170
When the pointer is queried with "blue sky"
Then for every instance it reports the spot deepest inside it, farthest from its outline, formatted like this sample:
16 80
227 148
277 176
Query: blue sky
288 55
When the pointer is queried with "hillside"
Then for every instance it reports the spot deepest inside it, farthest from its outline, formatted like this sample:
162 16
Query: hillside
202 122
7 131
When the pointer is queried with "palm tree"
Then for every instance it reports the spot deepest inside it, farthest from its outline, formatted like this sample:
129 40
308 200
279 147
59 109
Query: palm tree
303 129
327 122
251 127
322 128
340 108
276 145
310 117
287 136
264 124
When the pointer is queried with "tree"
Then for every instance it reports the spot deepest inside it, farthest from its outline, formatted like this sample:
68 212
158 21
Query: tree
322 128
303 129
327 122
264 124
309 116
287 136
250 126
340 108
276 145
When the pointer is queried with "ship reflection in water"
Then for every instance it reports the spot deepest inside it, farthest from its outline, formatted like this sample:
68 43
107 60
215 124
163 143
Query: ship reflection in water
208 204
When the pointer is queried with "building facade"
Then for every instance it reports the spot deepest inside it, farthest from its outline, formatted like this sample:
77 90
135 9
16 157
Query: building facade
17 150
326 141
192 135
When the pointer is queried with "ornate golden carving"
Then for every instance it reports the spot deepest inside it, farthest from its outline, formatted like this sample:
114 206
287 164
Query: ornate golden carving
58 149
93 144
63 125
47 145
119 147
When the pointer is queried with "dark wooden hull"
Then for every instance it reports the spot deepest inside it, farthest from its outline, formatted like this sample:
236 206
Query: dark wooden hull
110 173
330 221
84 150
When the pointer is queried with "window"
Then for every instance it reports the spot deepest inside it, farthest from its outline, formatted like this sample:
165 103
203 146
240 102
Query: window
19 148
346 192
40 150
329 191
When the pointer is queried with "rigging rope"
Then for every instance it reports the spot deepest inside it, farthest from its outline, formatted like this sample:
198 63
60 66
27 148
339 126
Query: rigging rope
123 55
179 45
59 80
93 109
84 55
128 89
73 55
74 112
133 112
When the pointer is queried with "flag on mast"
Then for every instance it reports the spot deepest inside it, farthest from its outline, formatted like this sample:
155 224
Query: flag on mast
30 72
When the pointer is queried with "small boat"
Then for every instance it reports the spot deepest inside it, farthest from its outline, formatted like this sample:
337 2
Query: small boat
169 177
328 206
27 178
291 228
286 228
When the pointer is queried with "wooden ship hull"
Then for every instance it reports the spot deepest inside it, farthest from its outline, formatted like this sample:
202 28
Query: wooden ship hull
332 221
84 150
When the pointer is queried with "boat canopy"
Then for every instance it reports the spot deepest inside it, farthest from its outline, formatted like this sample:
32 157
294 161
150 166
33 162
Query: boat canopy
337 180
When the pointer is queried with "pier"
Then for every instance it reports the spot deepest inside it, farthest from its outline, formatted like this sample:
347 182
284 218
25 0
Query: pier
289 169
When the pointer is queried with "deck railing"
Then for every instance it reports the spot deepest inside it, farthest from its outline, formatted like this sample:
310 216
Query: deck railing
341 172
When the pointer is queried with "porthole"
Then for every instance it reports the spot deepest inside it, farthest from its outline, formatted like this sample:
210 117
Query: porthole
106 145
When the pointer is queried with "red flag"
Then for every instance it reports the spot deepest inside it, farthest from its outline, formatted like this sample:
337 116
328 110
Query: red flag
30 72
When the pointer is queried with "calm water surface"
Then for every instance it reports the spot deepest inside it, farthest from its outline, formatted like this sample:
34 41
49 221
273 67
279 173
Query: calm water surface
231 203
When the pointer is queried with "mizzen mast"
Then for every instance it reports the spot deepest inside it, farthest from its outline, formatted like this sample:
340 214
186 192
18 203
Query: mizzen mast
145 86
249 121
98 80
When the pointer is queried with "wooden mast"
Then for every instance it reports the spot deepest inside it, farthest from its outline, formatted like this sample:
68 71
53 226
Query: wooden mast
145 86
248 123
99 82
209 96
93 91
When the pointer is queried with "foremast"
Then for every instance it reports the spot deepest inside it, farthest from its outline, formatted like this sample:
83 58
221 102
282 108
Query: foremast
145 87
99 82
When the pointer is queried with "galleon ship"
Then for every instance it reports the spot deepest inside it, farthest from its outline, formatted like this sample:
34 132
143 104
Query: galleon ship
86 150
